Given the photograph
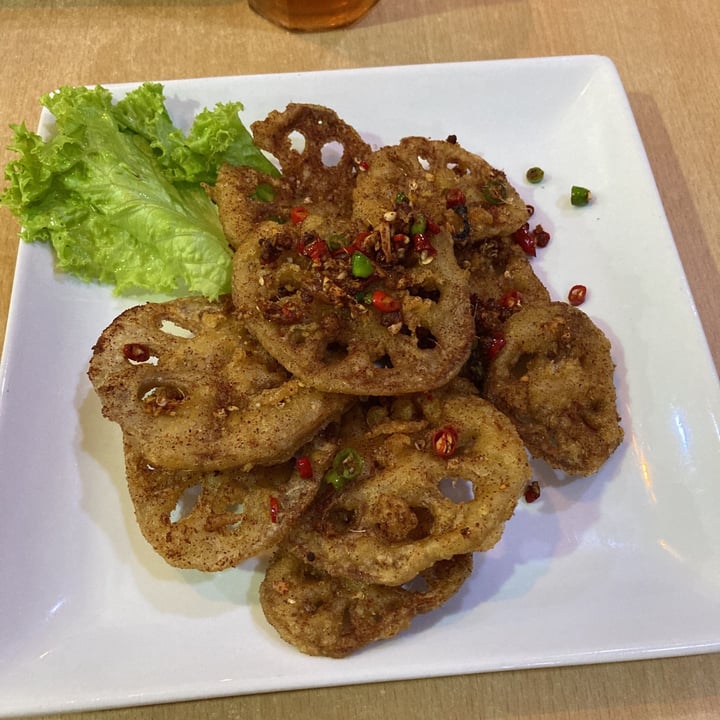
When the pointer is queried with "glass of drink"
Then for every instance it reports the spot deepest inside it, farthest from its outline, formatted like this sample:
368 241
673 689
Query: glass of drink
311 14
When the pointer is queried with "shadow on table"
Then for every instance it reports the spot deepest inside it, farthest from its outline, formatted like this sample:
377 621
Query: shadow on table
682 212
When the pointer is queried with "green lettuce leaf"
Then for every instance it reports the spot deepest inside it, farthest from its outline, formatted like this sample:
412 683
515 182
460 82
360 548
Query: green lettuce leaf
117 190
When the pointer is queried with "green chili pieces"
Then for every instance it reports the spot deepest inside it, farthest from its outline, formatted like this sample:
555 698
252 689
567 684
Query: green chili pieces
535 175
495 192
347 465
419 225
360 265
579 196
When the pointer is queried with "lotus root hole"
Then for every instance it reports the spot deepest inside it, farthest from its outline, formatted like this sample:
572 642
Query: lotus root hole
331 153
457 491
172 328
186 503
335 352
297 141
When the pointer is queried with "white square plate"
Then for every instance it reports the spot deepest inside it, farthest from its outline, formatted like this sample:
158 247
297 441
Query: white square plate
622 565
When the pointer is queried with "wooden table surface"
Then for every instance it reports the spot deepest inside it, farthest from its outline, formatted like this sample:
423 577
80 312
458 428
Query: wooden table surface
668 55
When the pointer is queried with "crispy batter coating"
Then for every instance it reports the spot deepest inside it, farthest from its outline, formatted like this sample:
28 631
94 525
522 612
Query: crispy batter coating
213 520
324 167
441 180
330 616
247 198
501 280
318 174
554 379
323 322
498 268
192 389
442 473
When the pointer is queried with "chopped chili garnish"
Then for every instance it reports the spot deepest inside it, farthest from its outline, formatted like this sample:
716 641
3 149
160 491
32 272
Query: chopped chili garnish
444 441
433 227
423 245
535 175
496 345
495 192
360 265
385 302
418 225
532 492
298 214
542 237
511 299
303 465
137 352
316 249
364 165
579 196
274 509
525 239
577 295
348 464
454 198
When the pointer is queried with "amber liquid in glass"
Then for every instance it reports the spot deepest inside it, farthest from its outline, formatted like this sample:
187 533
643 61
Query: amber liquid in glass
310 15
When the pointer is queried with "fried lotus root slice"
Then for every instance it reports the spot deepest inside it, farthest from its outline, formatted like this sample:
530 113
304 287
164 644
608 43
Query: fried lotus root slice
324 165
554 379
502 281
444 182
249 201
212 520
442 474
333 617
402 326
192 389
247 198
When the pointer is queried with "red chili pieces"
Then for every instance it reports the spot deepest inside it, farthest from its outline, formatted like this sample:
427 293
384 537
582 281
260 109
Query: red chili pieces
444 441
274 509
137 352
304 467
532 492
317 249
525 239
511 299
298 214
384 301
577 295
454 198
542 237
496 345
423 245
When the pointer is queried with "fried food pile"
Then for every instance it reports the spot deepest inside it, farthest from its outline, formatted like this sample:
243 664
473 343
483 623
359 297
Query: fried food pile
361 409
